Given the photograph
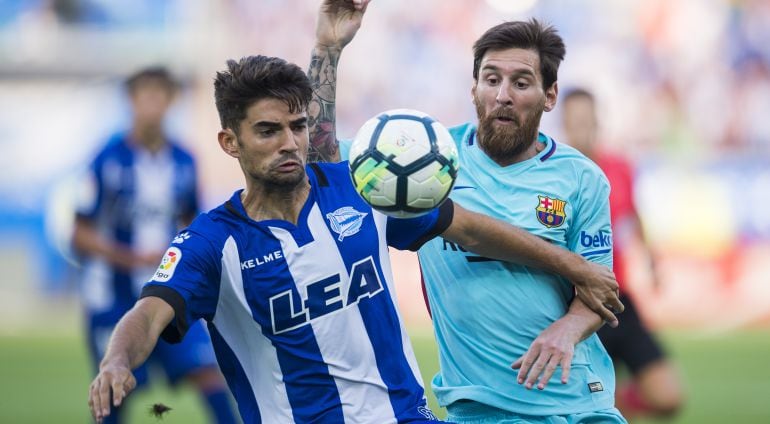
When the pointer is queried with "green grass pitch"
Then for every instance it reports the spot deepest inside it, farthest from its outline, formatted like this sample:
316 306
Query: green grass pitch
45 379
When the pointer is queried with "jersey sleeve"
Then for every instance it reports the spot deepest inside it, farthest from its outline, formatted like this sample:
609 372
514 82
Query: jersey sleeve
345 149
89 194
591 233
412 233
187 279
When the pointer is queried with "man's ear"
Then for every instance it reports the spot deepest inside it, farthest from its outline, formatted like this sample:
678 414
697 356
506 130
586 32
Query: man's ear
228 141
550 96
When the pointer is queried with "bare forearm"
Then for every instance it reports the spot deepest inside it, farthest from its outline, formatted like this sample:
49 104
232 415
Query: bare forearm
137 332
581 321
130 343
496 239
321 110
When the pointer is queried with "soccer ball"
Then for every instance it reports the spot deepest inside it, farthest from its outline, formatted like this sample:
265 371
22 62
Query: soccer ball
403 163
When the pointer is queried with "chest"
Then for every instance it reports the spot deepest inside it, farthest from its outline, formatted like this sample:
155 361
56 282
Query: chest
295 275
538 199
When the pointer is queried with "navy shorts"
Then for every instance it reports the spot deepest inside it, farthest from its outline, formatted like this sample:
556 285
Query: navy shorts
631 343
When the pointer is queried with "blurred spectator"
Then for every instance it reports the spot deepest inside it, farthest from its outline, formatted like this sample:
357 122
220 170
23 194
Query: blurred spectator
140 190
654 388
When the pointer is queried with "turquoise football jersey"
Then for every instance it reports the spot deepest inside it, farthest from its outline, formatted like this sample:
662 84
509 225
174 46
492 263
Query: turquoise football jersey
486 313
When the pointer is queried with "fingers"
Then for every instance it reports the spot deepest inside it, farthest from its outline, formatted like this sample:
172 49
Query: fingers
566 365
597 306
531 365
99 399
99 394
550 368
524 364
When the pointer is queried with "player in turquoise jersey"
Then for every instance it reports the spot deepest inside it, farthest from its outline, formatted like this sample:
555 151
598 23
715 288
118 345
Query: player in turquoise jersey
488 313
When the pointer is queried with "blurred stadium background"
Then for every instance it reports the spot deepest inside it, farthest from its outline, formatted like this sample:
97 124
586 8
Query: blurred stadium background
683 88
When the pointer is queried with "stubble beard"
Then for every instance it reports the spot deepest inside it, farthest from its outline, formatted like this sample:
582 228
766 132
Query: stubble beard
503 143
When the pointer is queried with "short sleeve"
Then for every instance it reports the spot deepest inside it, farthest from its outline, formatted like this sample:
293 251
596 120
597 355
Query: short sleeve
188 280
89 193
345 149
590 235
412 233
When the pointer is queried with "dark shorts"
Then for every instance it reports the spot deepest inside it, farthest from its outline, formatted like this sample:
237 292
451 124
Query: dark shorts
631 343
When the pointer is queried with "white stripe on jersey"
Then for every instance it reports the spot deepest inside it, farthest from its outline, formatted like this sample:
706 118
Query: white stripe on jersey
244 336
363 394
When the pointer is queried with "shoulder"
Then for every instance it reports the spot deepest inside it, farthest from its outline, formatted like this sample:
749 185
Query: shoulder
613 162
326 172
461 133
215 226
577 165
180 153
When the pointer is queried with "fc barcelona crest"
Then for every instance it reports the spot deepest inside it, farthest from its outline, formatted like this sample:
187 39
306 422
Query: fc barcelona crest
550 211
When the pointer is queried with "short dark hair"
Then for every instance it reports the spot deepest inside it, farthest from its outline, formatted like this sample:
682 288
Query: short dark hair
153 73
531 35
254 78
578 92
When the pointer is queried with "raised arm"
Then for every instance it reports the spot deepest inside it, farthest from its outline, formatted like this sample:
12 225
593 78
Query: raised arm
131 343
338 22
595 284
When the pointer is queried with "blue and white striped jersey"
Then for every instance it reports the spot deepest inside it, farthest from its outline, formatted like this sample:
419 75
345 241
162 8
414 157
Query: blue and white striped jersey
303 317
136 198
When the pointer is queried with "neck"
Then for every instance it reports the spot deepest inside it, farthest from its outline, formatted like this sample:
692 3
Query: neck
151 139
263 201
534 148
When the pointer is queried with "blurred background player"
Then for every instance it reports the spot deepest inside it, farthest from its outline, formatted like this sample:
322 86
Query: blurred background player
654 388
139 190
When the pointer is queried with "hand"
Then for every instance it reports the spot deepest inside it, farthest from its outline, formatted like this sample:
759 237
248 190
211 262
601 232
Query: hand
597 288
338 22
115 379
553 347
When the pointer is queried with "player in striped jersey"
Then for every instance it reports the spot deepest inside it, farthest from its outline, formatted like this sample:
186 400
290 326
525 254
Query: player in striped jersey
293 277
487 313
138 192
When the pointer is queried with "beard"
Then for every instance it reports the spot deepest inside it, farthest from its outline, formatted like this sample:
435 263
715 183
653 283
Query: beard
274 181
283 181
503 143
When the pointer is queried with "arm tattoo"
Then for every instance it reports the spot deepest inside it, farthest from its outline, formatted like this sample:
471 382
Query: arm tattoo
321 110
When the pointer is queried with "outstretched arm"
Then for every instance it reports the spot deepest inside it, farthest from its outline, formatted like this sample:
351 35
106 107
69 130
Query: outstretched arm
131 343
338 22
595 284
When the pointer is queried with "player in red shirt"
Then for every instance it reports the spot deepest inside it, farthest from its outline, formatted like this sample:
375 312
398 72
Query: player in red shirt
654 389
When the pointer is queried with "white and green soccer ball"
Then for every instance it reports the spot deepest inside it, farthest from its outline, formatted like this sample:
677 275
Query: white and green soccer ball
403 163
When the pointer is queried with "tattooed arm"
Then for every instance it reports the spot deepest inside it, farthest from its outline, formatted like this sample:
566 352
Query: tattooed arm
338 22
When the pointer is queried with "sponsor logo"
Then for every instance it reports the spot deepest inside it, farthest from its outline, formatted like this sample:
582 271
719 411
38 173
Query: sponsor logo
345 221
289 310
600 239
270 257
550 211
595 387
179 239
426 412
168 265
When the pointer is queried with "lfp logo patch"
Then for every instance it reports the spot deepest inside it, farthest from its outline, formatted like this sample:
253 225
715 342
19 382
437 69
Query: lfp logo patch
167 265
345 221
550 211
